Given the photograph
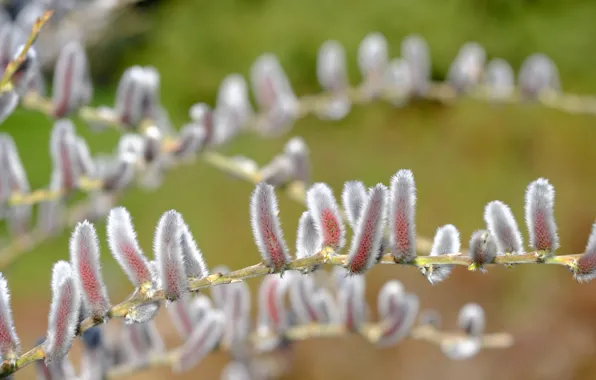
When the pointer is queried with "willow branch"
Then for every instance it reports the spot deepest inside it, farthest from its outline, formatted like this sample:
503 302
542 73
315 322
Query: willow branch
370 332
326 256
22 244
309 104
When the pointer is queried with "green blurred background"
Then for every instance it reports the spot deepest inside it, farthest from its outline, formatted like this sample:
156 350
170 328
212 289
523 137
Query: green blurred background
462 156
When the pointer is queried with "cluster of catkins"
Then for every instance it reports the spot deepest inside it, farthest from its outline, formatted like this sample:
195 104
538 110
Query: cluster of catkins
137 107
383 221
382 218
78 290
409 76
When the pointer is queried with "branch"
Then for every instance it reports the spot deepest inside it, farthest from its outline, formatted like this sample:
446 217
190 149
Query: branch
14 64
369 332
326 256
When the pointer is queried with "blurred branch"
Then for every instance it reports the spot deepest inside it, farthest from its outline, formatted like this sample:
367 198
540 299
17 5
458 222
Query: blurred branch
15 63
370 332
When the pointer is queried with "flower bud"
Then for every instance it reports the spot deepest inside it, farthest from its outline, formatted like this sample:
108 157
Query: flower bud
540 218
499 79
266 227
537 75
415 50
372 61
368 234
503 227
72 86
466 70
402 209
446 241
331 66
324 210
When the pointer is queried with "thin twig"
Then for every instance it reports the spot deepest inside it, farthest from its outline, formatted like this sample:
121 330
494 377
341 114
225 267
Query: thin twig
14 64
370 331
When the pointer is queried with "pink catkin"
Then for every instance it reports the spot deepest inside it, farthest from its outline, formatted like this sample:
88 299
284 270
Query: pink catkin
402 225
307 300
84 253
541 231
171 277
331 230
62 108
272 304
136 262
401 212
324 210
350 314
208 124
64 312
271 242
135 338
586 264
168 252
203 339
5 333
182 318
266 227
396 316
268 91
368 234
9 341
65 158
187 355
126 114
91 285
360 259
539 214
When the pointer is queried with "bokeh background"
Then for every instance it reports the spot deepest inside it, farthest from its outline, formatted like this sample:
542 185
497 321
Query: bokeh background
462 155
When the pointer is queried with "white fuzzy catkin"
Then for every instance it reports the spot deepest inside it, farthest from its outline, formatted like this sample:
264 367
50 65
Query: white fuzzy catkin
85 261
401 216
540 218
71 88
483 248
10 345
446 241
64 312
324 210
367 239
503 227
168 253
471 319
266 227
308 240
271 312
63 149
205 336
353 197
194 264
397 310
351 302
125 248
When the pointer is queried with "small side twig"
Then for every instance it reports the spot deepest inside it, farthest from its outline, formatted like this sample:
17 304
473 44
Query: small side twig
14 64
